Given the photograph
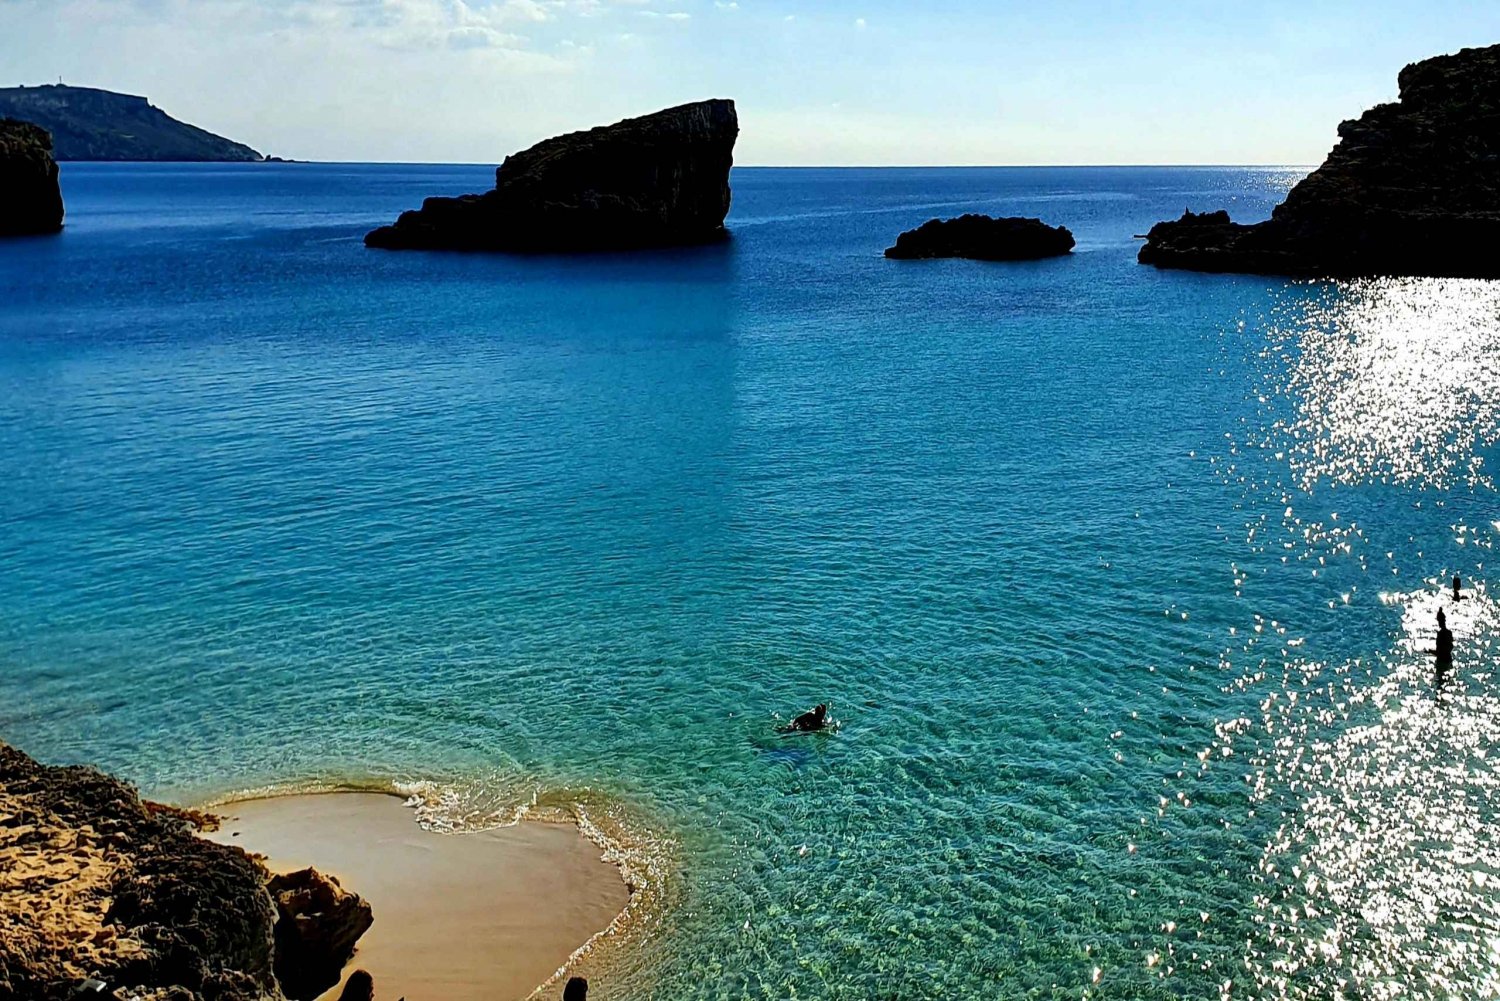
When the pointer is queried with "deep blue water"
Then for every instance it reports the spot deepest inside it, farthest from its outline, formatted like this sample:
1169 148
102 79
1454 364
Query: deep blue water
1118 579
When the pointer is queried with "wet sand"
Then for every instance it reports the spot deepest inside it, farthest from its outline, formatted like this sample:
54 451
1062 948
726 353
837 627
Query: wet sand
458 917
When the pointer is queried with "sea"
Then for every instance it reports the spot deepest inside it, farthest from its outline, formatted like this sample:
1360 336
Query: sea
1120 583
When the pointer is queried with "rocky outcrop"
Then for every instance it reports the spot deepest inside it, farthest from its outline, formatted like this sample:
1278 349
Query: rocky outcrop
1412 188
91 124
982 238
317 925
94 885
660 180
30 199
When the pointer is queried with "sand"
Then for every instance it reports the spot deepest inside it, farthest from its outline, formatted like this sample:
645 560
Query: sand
483 916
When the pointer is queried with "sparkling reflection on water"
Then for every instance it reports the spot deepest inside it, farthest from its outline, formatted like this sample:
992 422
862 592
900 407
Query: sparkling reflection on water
1376 776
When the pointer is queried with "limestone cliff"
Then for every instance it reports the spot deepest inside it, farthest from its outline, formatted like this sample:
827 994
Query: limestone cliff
1412 188
30 199
660 180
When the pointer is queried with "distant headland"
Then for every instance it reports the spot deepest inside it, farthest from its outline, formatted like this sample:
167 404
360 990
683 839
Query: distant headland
91 124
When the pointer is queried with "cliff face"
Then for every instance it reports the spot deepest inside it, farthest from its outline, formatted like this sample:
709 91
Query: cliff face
90 124
30 199
97 885
1412 188
660 180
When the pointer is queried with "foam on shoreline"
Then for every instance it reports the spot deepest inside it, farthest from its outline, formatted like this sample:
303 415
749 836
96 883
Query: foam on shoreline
472 908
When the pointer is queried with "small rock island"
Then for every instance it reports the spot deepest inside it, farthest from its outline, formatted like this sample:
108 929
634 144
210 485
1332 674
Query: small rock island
657 181
30 199
1412 188
982 238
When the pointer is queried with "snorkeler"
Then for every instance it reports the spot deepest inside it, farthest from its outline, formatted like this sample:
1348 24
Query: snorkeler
815 719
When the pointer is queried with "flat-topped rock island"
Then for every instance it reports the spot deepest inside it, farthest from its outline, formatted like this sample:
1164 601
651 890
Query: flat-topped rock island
661 180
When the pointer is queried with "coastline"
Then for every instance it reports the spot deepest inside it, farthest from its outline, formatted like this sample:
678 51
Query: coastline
472 916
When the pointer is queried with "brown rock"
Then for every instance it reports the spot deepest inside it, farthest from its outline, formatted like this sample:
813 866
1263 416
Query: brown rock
30 199
319 922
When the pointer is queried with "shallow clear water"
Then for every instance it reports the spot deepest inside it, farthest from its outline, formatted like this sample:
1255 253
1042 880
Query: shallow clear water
1119 580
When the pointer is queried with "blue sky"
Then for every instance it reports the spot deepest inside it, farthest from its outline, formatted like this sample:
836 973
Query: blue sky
836 82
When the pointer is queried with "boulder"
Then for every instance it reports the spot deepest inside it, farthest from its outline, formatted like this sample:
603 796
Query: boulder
1412 188
982 238
30 198
318 924
660 180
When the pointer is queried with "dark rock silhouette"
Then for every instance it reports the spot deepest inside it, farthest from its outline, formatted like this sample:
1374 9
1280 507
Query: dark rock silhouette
1412 188
359 987
319 922
577 989
30 199
660 180
91 124
982 238
96 885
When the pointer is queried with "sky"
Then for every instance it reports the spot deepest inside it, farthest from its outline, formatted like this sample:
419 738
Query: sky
856 82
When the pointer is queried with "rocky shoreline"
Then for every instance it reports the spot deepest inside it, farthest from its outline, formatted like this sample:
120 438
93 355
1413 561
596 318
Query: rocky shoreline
105 895
1412 188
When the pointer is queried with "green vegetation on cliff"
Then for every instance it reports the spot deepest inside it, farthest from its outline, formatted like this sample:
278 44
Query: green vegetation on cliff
89 124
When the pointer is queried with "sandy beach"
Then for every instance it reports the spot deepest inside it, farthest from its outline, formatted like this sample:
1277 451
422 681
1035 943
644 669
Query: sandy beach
483 916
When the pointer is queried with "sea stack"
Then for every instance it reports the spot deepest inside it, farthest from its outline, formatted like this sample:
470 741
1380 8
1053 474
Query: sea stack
982 238
1412 188
30 198
657 181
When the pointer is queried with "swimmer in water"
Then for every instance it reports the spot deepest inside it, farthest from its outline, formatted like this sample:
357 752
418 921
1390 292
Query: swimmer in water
808 722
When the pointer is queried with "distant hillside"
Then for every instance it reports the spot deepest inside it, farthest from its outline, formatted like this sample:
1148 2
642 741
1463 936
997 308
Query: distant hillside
89 124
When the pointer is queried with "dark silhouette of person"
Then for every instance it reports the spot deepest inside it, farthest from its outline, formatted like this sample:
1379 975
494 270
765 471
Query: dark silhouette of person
1444 649
1456 595
1442 620
815 719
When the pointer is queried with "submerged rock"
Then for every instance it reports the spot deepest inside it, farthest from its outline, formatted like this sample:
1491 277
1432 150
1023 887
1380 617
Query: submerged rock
30 198
319 922
1412 188
655 181
982 238
95 886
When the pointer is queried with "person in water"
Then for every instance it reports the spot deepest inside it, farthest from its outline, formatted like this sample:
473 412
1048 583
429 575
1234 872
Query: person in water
1456 595
815 719
1442 620
1444 649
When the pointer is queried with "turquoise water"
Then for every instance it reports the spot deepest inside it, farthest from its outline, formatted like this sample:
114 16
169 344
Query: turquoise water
1118 580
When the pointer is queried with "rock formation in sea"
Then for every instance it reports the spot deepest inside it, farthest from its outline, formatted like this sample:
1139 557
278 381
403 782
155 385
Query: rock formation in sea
1412 188
104 895
30 199
91 124
982 238
661 180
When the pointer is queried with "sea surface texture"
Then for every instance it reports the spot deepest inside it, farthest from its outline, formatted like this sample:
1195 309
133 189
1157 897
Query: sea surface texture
1120 582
